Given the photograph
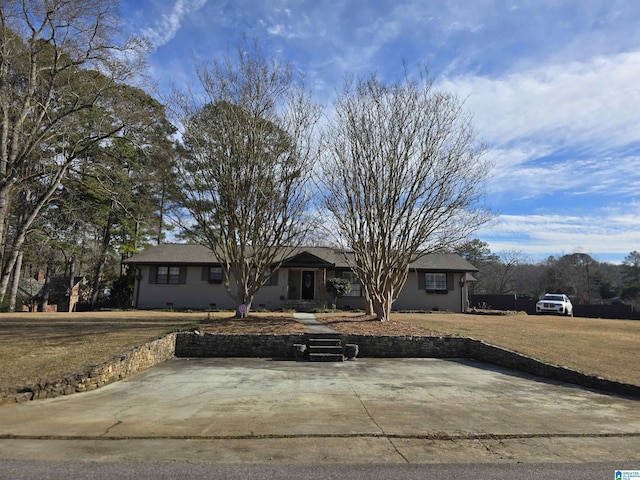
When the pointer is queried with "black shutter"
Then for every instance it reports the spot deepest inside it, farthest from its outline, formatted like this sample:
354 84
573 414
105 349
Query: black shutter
153 273
450 281
274 278
421 280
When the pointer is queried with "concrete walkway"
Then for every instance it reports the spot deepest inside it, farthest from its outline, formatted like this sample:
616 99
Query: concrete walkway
369 411
313 325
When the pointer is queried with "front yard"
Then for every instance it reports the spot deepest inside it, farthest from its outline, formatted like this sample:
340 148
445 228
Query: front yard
36 347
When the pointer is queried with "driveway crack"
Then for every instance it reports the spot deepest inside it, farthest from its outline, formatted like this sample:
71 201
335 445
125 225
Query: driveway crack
364 407
106 432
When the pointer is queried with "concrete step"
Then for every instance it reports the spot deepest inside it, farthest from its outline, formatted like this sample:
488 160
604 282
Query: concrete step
324 347
323 336
322 342
326 357
337 349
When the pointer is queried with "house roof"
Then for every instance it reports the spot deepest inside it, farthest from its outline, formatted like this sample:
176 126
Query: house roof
191 254
176 253
30 288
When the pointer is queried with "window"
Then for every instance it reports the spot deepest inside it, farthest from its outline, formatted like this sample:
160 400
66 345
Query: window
168 275
435 281
215 275
356 287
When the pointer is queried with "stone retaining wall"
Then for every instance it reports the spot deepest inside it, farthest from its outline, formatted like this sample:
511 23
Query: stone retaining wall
119 368
214 345
281 346
408 346
515 361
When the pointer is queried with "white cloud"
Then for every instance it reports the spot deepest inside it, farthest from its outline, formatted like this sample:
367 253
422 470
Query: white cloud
165 29
593 102
611 231
560 127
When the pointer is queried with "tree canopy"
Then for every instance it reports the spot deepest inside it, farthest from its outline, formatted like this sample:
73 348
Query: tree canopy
246 166
402 176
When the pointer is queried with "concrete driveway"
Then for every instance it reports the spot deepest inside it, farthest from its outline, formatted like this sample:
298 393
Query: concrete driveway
366 411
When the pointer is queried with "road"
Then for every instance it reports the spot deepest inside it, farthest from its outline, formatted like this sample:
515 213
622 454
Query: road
23 470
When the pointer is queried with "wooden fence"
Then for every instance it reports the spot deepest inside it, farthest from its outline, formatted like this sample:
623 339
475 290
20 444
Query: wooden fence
511 302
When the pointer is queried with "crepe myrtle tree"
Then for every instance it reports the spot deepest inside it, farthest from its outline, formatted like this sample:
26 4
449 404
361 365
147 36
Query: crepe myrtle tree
248 156
402 176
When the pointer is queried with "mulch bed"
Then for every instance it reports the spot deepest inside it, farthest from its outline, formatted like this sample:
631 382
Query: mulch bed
369 325
285 325
251 324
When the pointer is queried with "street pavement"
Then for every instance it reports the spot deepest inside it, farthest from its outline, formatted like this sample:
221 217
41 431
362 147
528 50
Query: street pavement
385 411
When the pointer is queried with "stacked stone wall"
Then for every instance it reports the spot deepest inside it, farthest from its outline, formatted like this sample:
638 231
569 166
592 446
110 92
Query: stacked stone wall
283 347
119 368
214 345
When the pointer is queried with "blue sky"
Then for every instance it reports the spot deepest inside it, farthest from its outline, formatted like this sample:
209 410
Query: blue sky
554 88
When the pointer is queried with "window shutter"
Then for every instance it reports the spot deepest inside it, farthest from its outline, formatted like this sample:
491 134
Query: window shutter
153 273
421 280
450 281
274 278
205 273
183 275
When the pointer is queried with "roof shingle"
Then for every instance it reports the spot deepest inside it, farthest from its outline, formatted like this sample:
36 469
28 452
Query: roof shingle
192 254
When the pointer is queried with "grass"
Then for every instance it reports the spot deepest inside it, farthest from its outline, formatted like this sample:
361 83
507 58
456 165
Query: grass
607 348
38 347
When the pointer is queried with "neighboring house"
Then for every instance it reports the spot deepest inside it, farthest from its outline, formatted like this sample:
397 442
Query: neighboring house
32 290
185 276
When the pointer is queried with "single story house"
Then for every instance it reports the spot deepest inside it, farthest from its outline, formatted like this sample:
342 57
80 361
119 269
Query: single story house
58 295
185 276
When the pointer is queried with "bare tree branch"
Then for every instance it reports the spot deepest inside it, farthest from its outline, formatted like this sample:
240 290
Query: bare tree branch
402 176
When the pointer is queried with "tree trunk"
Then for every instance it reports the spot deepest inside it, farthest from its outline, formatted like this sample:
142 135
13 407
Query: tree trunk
97 279
15 282
382 306
10 262
368 305
4 220
46 289
244 302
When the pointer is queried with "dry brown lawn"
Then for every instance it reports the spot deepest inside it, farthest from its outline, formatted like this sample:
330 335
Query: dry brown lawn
40 347
607 348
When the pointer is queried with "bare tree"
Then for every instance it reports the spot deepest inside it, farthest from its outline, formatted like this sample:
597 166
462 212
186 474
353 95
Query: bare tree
402 177
57 60
248 159
500 274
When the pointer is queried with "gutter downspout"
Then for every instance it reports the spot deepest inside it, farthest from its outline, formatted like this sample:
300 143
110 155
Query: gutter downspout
138 278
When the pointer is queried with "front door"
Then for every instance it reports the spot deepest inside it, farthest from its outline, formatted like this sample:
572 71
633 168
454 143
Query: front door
308 285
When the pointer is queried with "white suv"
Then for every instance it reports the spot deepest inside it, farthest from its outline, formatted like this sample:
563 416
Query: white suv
557 303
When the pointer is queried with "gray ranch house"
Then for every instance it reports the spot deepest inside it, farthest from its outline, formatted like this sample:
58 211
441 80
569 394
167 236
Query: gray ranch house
187 276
